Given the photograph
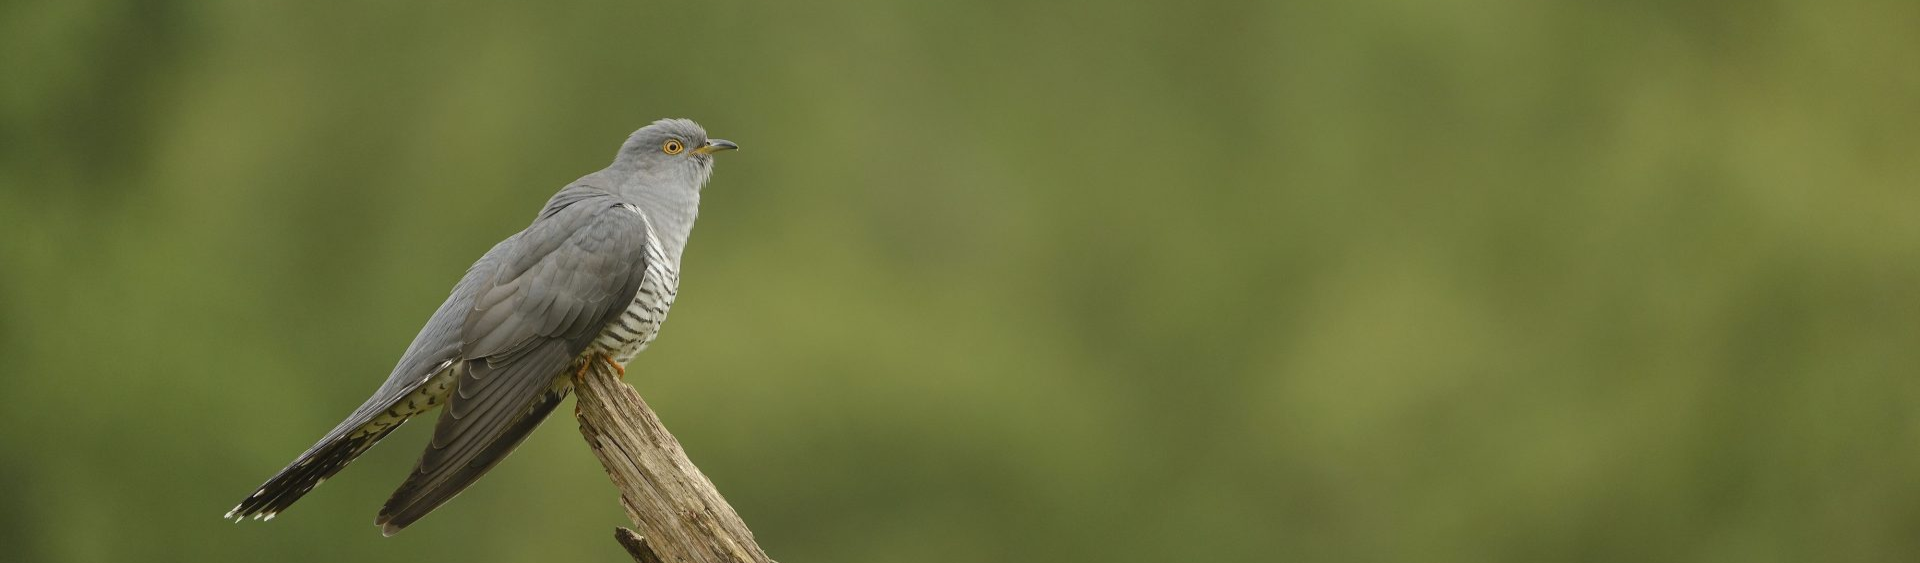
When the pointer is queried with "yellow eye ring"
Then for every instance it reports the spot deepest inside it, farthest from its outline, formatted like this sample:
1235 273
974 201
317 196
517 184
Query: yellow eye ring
672 146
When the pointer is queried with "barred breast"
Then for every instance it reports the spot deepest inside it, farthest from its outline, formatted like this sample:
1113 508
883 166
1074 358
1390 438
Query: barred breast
637 326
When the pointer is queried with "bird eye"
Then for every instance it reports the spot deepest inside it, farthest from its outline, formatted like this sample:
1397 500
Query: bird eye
672 146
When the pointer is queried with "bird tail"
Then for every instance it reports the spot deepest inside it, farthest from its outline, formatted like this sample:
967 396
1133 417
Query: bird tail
312 468
372 421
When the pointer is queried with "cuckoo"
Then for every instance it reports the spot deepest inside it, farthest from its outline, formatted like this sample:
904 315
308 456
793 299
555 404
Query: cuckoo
590 280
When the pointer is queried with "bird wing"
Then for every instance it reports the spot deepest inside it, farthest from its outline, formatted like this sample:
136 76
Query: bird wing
568 275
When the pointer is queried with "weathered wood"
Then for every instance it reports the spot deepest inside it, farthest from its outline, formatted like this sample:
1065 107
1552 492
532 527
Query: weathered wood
636 546
680 516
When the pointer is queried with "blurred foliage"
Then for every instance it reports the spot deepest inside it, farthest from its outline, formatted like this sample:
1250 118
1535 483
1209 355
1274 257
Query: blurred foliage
1473 280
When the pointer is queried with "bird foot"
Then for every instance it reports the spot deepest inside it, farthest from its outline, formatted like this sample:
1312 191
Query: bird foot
580 375
617 368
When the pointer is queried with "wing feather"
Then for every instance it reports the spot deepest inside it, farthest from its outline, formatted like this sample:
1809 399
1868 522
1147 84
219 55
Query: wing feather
574 272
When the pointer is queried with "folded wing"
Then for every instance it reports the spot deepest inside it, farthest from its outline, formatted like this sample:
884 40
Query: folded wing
573 271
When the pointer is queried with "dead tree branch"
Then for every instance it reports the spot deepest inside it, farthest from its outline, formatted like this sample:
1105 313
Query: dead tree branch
681 517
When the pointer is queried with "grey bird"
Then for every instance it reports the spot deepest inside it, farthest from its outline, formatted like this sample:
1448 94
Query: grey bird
590 280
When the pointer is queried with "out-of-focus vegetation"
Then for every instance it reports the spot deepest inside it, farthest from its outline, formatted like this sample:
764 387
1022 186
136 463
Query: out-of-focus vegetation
1460 281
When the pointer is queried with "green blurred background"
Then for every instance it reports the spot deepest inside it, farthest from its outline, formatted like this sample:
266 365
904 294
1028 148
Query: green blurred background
1387 280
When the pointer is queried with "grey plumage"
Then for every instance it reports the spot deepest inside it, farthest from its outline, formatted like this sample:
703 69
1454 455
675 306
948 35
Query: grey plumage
591 277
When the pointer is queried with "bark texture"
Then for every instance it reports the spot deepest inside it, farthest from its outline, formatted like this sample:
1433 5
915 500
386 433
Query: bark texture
680 516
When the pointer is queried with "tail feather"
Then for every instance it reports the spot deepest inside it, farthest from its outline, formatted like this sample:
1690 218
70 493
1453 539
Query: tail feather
309 471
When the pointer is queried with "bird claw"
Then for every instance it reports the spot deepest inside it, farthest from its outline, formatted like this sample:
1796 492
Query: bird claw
580 375
617 368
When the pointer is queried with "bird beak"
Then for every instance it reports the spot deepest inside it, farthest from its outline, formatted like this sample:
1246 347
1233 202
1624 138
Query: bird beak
716 145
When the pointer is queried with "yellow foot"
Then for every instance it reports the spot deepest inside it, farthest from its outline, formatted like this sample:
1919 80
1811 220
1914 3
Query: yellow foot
617 368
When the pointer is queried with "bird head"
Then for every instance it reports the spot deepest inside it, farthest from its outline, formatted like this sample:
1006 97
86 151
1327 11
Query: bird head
672 152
